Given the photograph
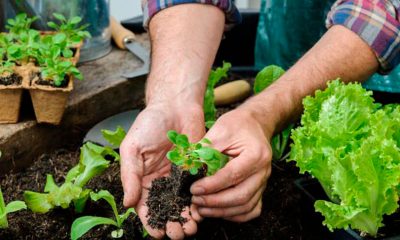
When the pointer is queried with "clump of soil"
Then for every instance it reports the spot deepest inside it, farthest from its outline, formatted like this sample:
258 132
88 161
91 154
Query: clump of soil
40 81
13 79
169 196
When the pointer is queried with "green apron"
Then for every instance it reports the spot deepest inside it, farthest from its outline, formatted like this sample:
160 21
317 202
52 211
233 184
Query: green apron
289 28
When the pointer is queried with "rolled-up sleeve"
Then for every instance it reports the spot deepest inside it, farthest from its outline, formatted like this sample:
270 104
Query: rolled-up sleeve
376 22
152 7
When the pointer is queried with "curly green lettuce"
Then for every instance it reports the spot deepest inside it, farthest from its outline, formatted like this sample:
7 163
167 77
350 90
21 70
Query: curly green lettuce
351 145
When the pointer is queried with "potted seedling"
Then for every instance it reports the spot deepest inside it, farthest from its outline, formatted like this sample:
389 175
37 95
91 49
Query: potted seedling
7 209
168 196
351 146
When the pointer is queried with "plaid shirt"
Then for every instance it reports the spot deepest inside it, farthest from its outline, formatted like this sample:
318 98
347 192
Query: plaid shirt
377 22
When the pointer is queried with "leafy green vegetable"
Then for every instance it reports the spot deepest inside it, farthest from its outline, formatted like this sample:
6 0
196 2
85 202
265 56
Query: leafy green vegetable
193 156
116 137
92 163
209 107
9 208
70 27
264 79
83 224
351 145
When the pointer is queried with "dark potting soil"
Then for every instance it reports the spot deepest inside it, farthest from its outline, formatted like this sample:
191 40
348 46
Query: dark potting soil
13 79
168 196
41 81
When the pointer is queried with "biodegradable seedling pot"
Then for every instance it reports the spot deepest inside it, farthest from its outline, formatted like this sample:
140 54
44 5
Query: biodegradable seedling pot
49 102
313 191
10 103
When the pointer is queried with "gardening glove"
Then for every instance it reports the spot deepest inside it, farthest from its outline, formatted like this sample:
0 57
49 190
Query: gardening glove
143 159
234 192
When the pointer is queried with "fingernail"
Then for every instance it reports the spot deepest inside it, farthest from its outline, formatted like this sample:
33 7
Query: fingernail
197 190
198 200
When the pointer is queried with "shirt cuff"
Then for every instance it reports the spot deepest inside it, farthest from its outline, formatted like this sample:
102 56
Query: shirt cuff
152 7
376 22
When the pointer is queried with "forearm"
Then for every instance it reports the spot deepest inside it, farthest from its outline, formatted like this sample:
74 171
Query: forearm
184 39
339 53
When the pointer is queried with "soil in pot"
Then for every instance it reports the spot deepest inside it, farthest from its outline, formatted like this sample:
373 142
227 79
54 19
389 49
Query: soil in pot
40 81
13 79
168 196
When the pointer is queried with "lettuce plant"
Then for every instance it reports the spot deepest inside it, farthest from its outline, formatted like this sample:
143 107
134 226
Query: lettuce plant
83 224
209 107
264 79
116 137
352 146
92 163
193 156
9 208
70 27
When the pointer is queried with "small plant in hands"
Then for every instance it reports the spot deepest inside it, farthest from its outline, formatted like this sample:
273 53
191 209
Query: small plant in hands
9 208
92 163
70 27
84 224
351 145
169 196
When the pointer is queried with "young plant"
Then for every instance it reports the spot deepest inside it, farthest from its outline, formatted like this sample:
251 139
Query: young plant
92 163
116 137
19 25
70 27
56 71
194 156
209 107
351 145
84 224
6 68
26 49
9 208
264 79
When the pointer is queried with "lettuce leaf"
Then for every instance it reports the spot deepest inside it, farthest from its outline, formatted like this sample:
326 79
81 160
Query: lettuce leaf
351 145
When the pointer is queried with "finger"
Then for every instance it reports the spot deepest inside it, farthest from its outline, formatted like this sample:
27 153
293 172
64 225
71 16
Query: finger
195 213
232 174
174 231
231 211
248 216
131 175
234 196
142 210
189 227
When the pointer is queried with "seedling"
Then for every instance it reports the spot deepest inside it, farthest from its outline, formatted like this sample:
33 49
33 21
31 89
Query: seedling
9 208
75 33
193 156
56 71
116 137
83 224
19 25
6 68
92 163
209 107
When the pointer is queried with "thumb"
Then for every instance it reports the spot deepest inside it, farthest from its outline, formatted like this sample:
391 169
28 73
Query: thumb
131 177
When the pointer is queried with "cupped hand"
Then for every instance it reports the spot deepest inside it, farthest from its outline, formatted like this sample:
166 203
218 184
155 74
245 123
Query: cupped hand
143 154
235 191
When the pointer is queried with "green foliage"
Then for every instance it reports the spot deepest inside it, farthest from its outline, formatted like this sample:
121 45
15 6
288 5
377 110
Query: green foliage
209 107
92 163
264 79
351 145
84 224
20 25
193 156
116 137
56 70
6 68
9 208
70 27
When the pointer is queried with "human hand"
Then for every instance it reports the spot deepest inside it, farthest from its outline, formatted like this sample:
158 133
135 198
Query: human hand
234 192
143 154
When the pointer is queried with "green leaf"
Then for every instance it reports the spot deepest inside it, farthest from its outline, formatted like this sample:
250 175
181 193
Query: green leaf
174 155
15 206
75 20
80 203
193 170
59 17
280 141
38 202
84 224
106 195
125 216
52 25
182 141
206 153
171 134
3 212
266 77
116 137
117 233
50 184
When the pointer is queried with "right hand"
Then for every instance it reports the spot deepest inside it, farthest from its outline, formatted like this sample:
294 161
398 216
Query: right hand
143 159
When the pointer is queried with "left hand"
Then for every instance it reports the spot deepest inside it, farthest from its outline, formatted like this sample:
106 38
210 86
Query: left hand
234 192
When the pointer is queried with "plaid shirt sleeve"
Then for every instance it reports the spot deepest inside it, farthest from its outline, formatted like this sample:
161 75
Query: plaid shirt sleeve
377 22
151 7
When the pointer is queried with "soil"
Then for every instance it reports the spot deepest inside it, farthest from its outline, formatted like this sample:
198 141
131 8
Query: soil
40 81
13 79
168 196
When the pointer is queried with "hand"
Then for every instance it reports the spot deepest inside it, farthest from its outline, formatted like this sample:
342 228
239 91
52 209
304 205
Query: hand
143 154
234 192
